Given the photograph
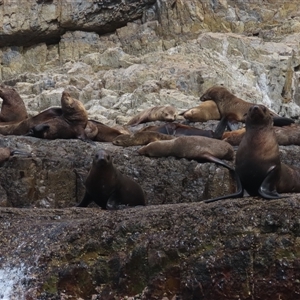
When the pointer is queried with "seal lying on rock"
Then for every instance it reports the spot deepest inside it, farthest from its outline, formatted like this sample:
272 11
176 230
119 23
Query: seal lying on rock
108 187
13 107
6 153
234 108
199 148
140 138
21 128
70 124
205 111
258 162
285 135
178 129
158 113
101 132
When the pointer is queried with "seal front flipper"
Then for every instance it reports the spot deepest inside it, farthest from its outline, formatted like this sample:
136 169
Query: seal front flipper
268 189
87 199
220 129
282 121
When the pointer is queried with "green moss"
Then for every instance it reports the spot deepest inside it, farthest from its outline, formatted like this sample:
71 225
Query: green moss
50 285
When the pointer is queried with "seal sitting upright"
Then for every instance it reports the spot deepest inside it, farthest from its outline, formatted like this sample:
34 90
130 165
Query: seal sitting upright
108 187
258 162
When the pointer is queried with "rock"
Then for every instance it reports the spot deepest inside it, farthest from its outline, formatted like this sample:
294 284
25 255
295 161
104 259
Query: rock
54 175
244 248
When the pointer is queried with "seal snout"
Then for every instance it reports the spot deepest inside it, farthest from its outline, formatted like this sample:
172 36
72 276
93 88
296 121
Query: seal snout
102 157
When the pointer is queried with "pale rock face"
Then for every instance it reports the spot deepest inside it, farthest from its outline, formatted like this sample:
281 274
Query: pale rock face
170 55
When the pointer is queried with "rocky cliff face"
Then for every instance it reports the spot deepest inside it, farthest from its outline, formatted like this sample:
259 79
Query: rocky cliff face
118 58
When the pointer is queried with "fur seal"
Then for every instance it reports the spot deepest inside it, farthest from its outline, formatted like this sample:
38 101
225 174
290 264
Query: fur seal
234 108
178 129
13 107
70 124
205 111
108 187
102 132
258 164
21 128
199 148
140 138
158 113
6 153
285 135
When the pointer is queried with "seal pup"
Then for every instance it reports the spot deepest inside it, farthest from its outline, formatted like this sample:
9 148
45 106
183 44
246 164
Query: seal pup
6 153
258 162
205 111
108 187
13 107
70 124
234 108
158 113
140 138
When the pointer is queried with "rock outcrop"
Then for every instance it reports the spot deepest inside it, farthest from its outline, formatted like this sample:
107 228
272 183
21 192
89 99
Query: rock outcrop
119 58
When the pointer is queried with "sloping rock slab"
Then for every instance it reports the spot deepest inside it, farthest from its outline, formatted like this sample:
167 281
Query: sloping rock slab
53 176
234 249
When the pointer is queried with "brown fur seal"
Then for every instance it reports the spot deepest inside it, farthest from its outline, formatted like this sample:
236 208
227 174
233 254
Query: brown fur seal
206 111
6 153
258 162
13 107
285 135
140 138
158 113
108 187
191 147
234 108
21 128
71 124
104 132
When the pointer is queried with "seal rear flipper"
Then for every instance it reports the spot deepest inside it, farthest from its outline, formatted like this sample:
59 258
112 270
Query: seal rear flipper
240 191
216 160
220 129
112 203
87 199
237 194
38 130
282 121
268 189
232 125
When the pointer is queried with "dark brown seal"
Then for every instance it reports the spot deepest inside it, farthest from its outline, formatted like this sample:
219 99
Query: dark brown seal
108 187
234 108
205 111
158 113
140 138
13 107
258 164
70 124
21 128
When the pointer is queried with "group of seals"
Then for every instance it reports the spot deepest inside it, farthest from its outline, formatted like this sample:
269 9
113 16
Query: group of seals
285 135
108 187
70 124
234 109
258 165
